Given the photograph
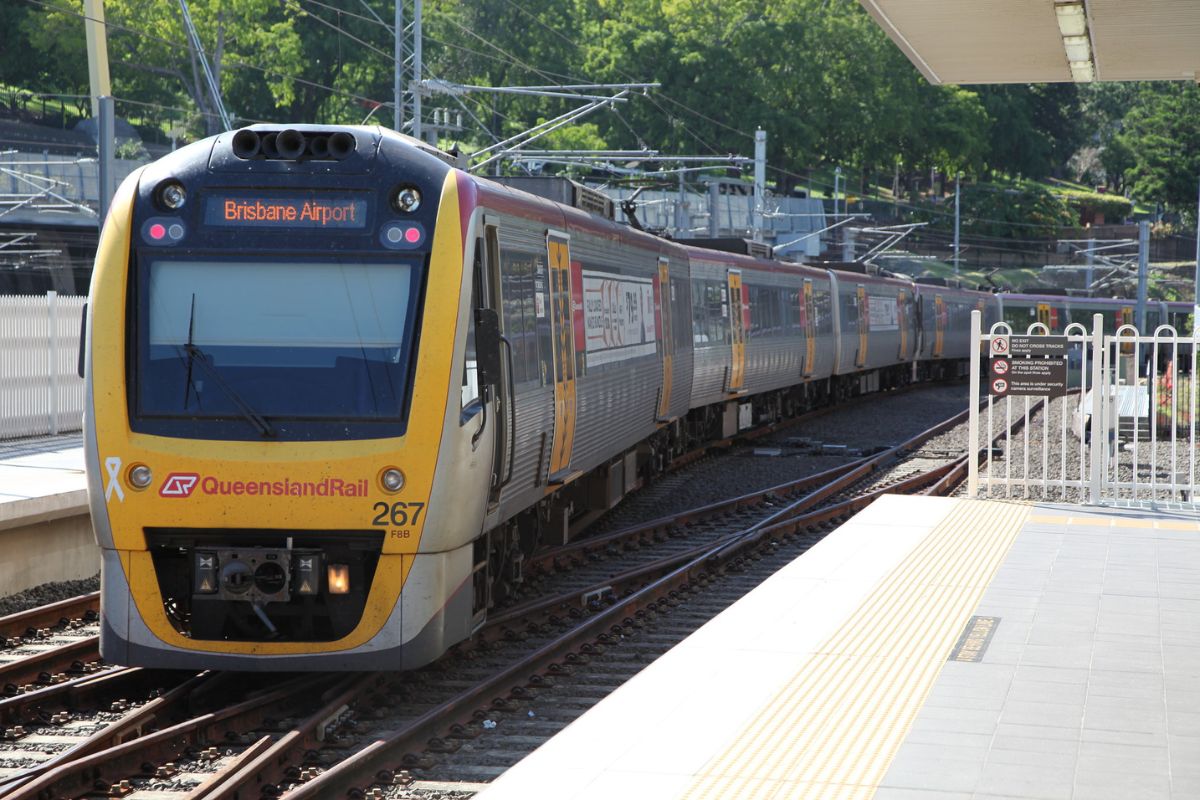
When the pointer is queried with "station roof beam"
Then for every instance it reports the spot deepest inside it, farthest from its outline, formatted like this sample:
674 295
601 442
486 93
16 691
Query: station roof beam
1045 41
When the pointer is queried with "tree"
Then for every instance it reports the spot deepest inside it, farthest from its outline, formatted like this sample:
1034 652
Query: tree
1159 145
1034 129
251 46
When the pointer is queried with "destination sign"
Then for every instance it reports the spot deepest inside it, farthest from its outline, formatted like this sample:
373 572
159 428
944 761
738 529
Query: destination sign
329 212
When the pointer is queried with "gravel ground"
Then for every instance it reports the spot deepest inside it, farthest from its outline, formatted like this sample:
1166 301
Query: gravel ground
47 593
806 449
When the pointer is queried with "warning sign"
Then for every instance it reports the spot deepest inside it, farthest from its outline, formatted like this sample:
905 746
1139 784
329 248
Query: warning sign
1029 377
999 346
1037 345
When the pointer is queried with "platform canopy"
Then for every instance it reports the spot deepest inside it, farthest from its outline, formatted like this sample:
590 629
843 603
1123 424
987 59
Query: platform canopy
1044 41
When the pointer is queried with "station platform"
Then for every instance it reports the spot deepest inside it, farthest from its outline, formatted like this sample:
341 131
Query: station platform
43 509
931 648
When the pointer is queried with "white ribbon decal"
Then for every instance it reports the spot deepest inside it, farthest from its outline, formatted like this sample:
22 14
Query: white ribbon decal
113 466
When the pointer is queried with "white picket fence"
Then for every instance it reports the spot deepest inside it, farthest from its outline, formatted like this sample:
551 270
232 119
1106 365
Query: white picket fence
40 390
1121 431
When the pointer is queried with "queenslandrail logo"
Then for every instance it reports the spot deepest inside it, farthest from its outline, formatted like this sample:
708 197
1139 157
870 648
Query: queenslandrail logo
179 484
184 484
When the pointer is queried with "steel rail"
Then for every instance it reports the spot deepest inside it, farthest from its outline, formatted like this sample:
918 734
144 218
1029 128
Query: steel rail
374 763
551 559
41 667
149 715
26 623
111 765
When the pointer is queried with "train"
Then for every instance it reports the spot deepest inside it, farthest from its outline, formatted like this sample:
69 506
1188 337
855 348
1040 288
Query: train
339 388
1056 312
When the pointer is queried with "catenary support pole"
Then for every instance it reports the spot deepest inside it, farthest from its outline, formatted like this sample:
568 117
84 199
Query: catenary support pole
681 210
1143 266
106 144
418 68
957 192
1091 265
398 74
760 182
96 34
1196 285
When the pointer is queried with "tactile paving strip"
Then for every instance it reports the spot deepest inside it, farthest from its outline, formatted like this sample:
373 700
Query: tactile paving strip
834 729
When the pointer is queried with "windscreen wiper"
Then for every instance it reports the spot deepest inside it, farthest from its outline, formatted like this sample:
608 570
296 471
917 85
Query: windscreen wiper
196 355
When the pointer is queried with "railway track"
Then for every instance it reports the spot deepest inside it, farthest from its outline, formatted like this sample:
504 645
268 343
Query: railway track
603 608
577 641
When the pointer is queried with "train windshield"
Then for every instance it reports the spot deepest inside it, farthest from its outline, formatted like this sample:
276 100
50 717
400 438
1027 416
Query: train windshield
265 340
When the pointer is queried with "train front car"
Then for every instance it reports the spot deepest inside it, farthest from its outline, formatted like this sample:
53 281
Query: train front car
271 372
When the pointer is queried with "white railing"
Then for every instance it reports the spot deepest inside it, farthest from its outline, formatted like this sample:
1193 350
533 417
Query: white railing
40 389
1122 433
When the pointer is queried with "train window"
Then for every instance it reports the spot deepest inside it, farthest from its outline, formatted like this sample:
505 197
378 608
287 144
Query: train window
717 302
766 313
823 306
850 312
710 313
522 307
295 340
470 382
681 319
699 313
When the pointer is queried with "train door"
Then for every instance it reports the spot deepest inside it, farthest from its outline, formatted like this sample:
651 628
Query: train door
662 306
939 325
486 287
1045 316
902 321
808 323
737 326
864 325
562 333
1124 316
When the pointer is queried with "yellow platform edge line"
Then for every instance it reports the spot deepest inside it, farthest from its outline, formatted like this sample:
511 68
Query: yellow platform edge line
833 730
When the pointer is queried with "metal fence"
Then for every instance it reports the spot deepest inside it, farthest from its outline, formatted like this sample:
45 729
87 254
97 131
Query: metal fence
1120 429
40 390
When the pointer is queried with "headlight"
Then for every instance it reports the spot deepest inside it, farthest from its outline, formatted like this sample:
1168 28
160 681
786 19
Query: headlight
338 576
140 476
171 195
406 199
391 479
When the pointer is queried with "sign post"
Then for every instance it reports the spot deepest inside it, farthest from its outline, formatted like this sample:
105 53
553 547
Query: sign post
1028 366
973 417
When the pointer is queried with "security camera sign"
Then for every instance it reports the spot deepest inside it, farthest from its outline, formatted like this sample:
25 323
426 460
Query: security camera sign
1028 377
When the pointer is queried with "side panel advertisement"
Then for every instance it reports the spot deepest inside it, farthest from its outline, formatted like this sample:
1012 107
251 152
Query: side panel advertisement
619 320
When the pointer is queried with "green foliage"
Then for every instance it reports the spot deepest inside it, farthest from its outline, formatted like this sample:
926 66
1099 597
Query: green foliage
1113 207
1022 210
251 46
1160 145
819 75
575 137
1017 210
1034 129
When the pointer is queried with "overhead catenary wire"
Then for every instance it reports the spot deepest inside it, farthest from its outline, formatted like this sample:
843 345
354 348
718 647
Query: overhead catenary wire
505 57
227 62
